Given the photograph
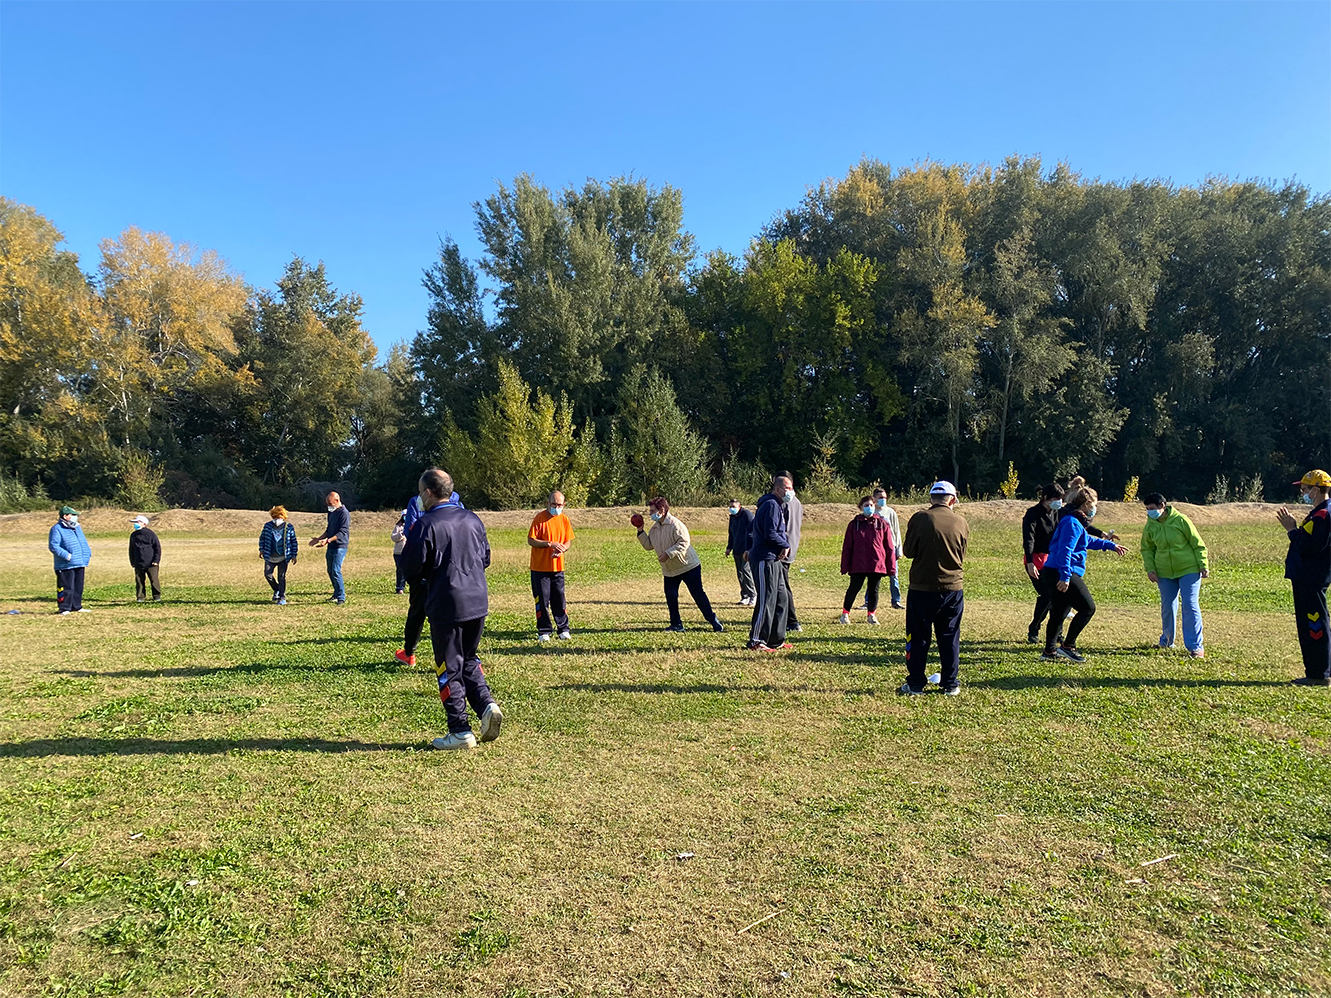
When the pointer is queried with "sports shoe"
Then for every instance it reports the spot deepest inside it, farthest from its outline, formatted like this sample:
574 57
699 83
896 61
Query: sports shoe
898 606
873 618
785 646
904 690
139 599
399 592
952 691
63 613
1049 656
1198 653
864 605
757 646
1032 637
83 609
796 628
564 635
844 618
402 656
676 628
1070 653
743 601
543 638
490 722
717 626
276 597
1308 681
455 740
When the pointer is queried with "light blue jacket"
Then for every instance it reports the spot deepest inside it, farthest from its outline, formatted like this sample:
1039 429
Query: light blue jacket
69 546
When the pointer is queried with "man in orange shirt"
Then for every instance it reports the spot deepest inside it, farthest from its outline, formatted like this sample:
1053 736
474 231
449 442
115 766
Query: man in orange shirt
549 537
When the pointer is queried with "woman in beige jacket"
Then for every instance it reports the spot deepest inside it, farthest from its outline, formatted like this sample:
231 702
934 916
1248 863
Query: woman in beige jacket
669 539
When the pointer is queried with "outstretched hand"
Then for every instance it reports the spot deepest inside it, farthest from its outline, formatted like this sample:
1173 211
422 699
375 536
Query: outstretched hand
1120 550
1286 518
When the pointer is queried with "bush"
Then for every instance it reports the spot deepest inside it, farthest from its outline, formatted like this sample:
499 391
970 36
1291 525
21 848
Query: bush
15 497
141 482
1008 487
738 479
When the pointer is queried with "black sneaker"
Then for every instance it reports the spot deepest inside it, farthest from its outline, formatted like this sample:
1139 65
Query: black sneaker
1309 681
718 626
677 628
795 627
1032 637
1068 652
1049 656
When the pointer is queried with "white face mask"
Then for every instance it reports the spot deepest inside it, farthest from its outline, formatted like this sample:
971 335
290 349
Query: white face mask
331 508
1055 504
277 521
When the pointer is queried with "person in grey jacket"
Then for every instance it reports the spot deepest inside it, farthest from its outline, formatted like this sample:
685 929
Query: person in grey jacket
72 554
794 512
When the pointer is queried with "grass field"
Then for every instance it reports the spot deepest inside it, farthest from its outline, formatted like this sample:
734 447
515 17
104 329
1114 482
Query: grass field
218 796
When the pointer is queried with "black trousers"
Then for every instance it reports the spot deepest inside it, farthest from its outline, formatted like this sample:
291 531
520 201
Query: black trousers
772 604
547 588
1042 603
457 664
280 583
150 573
411 635
792 621
929 614
69 589
401 579
1310 614
858 579
693 579
1078 598
745 576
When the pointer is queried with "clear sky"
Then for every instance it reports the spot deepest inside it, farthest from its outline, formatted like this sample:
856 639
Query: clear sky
358 134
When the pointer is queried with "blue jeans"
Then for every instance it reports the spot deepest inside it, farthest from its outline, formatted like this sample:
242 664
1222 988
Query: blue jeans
896 589
1188 588
335 556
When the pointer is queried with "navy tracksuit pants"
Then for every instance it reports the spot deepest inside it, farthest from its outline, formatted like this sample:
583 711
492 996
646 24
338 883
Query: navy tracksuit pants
457 663
928 614
1314 642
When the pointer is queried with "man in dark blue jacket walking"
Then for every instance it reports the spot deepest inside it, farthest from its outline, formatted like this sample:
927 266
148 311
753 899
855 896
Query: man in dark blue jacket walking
411 632
448 551
737 545
767 546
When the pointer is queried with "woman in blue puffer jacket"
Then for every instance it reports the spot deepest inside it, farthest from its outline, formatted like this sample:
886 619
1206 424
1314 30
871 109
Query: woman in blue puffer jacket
72 554
1063 575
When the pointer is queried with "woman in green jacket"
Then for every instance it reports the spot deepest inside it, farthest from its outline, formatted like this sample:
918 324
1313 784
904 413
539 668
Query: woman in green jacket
1175 560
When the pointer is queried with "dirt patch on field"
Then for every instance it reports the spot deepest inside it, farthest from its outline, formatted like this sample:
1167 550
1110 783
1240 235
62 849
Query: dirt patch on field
240 522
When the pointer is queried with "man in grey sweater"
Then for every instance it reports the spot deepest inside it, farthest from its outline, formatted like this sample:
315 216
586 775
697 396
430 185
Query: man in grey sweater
794 512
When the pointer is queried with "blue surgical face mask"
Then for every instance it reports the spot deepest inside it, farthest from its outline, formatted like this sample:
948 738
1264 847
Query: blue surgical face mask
1090 513
656 516
554 510
880 502
787 497
867 510
1154 514
734 510
1055 504
138 526
1306 499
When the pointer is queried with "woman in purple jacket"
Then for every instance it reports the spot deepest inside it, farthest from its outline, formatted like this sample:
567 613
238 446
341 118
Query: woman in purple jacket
868 553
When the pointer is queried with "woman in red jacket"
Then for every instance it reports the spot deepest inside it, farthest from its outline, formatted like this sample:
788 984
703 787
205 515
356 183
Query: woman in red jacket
867 554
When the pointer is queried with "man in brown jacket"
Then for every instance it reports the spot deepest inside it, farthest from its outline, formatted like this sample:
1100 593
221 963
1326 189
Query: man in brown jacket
936 545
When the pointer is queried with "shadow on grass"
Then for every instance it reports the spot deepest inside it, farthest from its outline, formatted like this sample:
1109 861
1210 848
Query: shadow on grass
708 688
1109 682
40 747
390 666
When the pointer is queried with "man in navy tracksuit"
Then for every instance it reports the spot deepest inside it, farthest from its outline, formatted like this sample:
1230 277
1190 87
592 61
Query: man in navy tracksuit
767 546
1308 568
448 552
936 544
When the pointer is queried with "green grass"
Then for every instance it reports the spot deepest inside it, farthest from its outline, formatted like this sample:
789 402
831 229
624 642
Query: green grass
218 796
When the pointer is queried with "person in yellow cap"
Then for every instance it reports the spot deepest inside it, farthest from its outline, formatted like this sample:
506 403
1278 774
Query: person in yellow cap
1308 568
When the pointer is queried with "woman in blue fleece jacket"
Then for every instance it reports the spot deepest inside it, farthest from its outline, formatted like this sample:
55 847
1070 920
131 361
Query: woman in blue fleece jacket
1063 575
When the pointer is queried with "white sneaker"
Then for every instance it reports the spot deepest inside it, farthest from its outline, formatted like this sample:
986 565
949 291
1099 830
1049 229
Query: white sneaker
490 722
83 609
65 613
543 638
565 636
873 619
462 740
844 618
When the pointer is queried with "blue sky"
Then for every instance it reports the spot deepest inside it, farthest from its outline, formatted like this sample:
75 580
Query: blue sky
360 133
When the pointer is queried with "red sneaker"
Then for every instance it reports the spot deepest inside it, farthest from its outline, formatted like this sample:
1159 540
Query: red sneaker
787 645
402 656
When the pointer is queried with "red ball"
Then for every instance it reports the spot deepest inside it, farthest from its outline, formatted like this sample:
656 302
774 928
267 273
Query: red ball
636 520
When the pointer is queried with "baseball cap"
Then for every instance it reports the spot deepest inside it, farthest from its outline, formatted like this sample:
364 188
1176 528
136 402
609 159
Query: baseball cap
1316 478
140 519
68 511
942 488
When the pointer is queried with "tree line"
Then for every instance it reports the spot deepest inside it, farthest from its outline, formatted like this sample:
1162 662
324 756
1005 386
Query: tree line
895 326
